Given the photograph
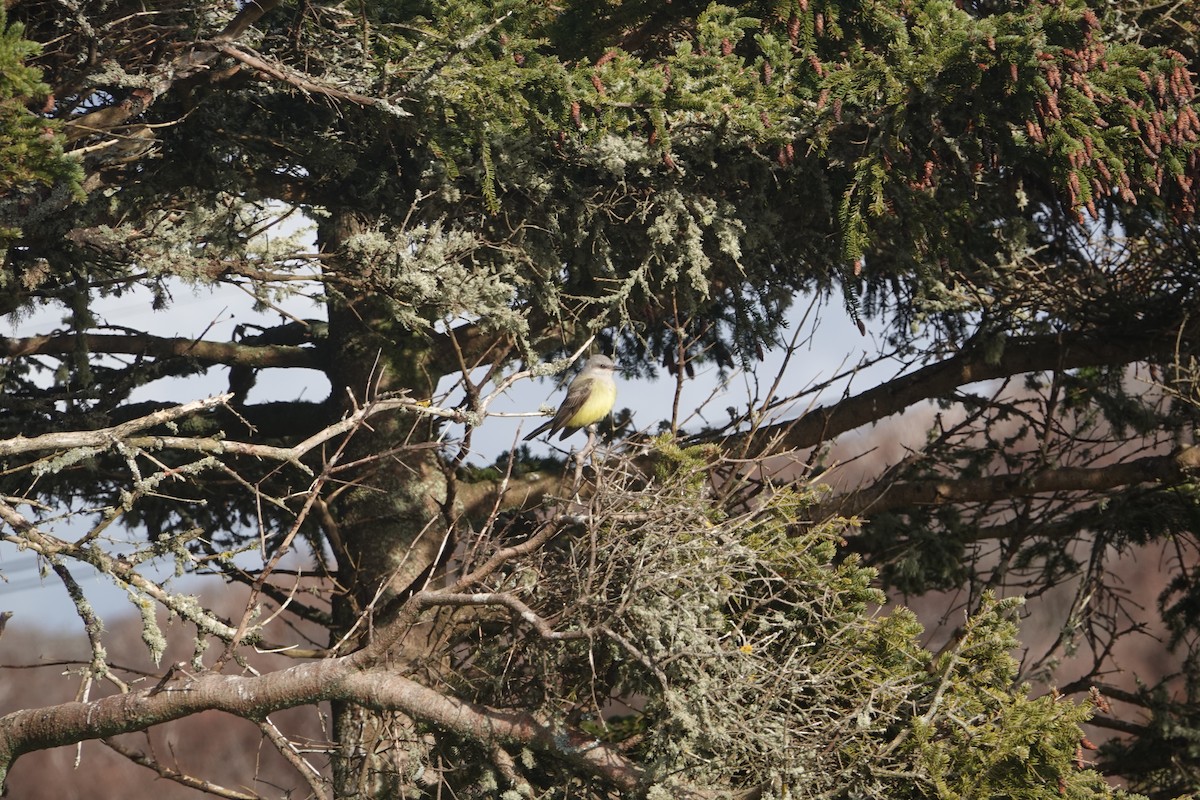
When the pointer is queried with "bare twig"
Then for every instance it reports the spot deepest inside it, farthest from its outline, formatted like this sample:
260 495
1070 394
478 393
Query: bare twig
183 779
312 776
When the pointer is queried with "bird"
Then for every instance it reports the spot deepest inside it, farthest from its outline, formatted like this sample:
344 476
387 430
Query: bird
590 398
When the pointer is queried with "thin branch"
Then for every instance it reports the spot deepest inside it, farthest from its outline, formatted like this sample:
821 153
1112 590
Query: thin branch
509 601
312 776
306 84
455 48
29 536
163 771
92 626
1114 724
191 61
106 436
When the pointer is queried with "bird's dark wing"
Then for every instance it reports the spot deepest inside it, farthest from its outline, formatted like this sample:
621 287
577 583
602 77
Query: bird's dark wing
577 394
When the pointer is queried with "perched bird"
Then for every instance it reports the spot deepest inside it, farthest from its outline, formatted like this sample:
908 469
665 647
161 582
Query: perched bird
590 398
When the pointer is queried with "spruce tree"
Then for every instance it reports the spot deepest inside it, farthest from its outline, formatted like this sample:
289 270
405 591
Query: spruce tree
1007 191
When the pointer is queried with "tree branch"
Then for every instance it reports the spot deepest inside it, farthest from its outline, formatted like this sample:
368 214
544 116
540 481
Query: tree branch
341 679
251 13
120 569
163 771
305 84
106 436
972 364
1171 468
228 353
191 61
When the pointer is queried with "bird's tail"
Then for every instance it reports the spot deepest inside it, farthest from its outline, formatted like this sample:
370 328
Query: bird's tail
539 430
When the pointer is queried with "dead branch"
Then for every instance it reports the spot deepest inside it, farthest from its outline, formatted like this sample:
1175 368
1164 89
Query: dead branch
183 779
301 82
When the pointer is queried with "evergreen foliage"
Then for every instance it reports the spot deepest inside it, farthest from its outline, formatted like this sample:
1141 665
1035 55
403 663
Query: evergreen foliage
731 632
31 147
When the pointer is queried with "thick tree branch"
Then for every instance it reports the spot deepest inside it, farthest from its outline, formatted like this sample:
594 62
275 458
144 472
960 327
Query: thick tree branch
972 364
228 353
479 497
341 679
1172 468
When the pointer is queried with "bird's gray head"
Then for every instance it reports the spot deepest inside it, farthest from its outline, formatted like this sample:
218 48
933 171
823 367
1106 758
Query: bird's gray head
601 362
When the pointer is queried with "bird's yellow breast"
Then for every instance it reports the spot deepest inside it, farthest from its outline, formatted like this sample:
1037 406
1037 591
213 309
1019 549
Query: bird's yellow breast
600 399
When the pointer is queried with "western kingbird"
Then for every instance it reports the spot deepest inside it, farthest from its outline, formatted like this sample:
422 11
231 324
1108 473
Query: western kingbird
590 398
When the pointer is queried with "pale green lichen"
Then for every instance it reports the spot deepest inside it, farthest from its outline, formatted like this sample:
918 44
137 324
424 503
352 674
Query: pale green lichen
200 647
152 634
51 466
432 273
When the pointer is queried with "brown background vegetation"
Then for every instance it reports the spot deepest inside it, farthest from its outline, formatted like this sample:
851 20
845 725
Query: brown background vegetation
224 749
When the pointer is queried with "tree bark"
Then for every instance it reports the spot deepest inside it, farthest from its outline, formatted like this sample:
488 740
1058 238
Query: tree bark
387 514
348 680
1170 469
